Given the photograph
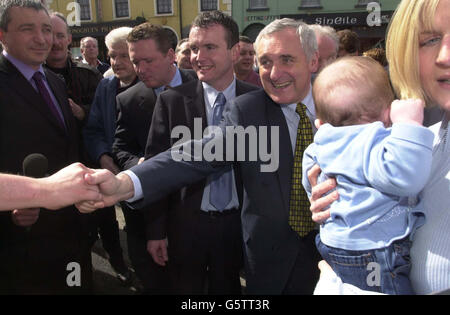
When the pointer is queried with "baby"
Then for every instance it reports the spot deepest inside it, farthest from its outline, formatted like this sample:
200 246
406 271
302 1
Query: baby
378 169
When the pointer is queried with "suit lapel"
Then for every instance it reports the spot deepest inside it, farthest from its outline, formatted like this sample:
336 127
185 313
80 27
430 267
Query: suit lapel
276 117
24 88
195 106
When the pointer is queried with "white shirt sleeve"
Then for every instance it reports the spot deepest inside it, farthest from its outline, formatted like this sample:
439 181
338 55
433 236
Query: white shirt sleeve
138 194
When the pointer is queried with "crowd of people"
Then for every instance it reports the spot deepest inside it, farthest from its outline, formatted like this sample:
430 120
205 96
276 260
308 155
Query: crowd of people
361 179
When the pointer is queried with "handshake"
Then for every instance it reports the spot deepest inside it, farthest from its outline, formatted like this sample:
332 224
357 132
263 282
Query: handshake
88 189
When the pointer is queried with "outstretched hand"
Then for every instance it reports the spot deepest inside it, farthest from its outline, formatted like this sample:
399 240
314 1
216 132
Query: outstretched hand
113 188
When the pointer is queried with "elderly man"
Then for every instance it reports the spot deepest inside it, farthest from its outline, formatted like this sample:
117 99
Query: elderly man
89 51
99 137
278 233
327 44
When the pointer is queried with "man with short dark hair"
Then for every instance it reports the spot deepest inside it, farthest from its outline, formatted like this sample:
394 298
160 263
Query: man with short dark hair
183 54
35 117
243 68
153 57
204 234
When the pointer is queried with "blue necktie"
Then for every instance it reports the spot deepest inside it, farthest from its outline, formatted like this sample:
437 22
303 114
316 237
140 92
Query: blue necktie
220 186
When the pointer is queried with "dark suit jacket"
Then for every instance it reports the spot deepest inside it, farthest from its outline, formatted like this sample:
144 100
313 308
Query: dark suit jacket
178 107
271 246
28 126
136 106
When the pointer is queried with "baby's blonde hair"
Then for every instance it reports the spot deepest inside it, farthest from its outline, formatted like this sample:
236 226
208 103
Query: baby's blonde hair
365 82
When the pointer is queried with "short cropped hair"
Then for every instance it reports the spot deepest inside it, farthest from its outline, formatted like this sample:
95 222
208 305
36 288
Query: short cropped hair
378 54
245 39
366 81
306 34
63 18
6 5
86 39
402 46
179 44
157 33
209 18
348 41
327 31
116 36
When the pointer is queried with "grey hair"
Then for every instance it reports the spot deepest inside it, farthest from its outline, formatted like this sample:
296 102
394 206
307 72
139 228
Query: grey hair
304 31
116 36
328 31
6 5
87 38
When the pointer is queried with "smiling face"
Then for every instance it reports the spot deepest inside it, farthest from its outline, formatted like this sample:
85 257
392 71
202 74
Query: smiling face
61 41
283 66
211 58
29 36
434 58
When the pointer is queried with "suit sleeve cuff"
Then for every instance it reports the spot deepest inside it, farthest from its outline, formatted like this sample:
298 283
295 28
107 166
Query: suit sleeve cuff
138 194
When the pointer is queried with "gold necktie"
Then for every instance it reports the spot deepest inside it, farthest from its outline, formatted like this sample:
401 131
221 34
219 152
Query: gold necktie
299 213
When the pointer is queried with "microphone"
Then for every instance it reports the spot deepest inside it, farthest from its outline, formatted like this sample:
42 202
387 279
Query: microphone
35 165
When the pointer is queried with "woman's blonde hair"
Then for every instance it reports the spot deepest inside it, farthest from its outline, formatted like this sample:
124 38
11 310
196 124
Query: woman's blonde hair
410 19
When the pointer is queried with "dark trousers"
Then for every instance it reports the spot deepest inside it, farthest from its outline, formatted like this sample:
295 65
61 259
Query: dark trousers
214 260
104 222
153 277
305 273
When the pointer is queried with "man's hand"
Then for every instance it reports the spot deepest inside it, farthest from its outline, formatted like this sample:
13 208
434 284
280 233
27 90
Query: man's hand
77 110
107 163
407 111
158 250
25 217
66 187
318 201
114 188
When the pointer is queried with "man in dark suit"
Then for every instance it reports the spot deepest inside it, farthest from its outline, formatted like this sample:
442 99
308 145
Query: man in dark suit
153 58
280 253
39 249
205 242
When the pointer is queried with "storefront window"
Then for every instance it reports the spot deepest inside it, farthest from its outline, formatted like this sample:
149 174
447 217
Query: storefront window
121 7
364 3
85 10
257 4
164 6
310 4
208 5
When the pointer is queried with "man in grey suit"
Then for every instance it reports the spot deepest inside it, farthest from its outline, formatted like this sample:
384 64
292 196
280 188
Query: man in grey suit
280 257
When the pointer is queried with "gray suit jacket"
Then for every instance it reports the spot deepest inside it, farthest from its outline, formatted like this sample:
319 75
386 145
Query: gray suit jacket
271 246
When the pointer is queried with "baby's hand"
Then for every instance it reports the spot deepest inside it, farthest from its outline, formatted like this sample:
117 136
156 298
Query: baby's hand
408 111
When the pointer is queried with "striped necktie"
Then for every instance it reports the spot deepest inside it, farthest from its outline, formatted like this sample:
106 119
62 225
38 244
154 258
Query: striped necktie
299 213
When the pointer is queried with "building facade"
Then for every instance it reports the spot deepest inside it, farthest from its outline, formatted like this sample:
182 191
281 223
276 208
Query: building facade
98 17
369 21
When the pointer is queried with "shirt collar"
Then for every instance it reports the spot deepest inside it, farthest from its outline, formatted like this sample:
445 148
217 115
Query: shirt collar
308 101
211 93
23 68
176 81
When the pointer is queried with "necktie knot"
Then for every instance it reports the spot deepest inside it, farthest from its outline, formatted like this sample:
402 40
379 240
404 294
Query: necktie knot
38 76
301 109
219 105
